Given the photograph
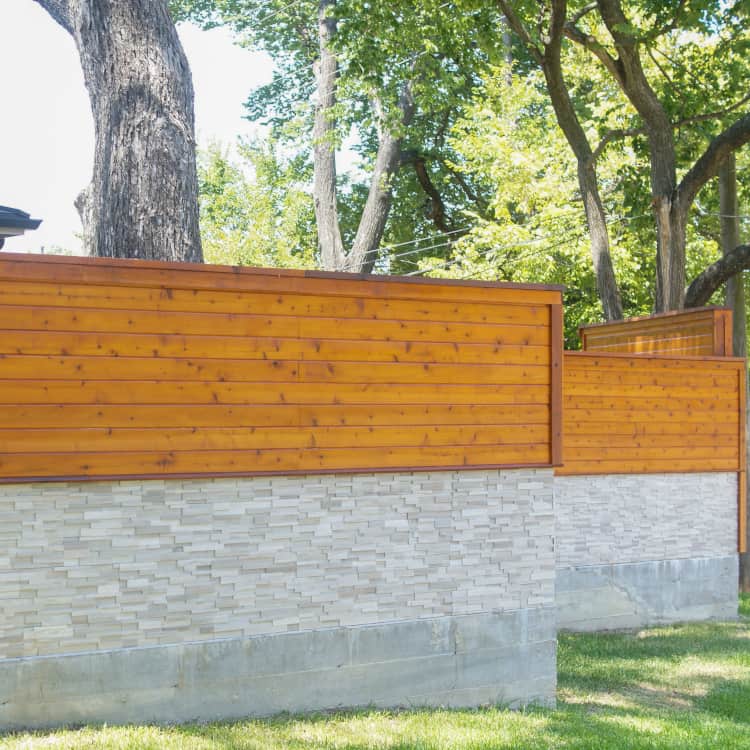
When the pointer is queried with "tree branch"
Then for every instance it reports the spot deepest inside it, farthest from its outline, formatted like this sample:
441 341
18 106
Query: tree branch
707 166
516 24
593 45
576 17
711 279
713 115
438 212
612 135
59 10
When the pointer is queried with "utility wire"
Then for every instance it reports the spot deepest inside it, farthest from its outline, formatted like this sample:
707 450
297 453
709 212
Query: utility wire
573 235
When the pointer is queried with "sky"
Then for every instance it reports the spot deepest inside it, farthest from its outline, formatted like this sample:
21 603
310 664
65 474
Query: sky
46 129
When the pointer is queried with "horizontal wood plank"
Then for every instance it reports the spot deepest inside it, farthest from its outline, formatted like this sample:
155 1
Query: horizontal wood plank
155 463
238 347
91 440
28 294
99 271
19 318
276 415
155 392
266 371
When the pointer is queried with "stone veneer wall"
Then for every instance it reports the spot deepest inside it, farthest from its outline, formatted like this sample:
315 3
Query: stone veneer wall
643 549
134 600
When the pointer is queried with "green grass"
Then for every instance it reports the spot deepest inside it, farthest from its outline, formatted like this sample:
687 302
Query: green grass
675 688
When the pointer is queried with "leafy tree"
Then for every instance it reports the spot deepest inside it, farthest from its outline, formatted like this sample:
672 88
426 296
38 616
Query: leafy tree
257 211
142 201
660 57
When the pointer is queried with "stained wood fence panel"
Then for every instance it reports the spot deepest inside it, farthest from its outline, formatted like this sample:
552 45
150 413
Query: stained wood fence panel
643 414
704 331
137 369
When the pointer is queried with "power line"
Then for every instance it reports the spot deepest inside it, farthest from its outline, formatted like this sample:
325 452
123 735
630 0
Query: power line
575 234
744 217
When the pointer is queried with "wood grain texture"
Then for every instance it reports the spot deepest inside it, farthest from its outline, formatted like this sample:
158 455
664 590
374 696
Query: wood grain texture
701 331
627 414
129 369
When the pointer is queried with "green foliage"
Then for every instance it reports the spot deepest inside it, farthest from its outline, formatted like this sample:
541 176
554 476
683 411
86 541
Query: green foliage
264 219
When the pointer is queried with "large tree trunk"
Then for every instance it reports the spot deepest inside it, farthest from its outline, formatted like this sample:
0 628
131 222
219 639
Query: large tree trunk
671 241
142 201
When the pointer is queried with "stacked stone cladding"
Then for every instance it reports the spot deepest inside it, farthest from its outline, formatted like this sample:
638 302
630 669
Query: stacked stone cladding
630 518
108 565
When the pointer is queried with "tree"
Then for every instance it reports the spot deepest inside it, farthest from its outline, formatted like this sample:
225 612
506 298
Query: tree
142 201
256 211
619 41
547 54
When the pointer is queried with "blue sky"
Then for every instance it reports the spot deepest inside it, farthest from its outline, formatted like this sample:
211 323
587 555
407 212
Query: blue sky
46 132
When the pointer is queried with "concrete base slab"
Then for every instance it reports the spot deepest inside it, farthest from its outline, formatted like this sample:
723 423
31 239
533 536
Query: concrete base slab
634 595
504 658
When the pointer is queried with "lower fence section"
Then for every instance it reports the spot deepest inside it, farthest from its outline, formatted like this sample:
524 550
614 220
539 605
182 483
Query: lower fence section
645 549
506 658
175 600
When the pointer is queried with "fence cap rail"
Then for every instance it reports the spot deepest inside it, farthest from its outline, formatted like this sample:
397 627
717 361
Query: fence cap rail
656 316
239 271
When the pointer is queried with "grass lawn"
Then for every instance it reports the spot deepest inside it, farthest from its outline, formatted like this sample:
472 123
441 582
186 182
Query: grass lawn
664 688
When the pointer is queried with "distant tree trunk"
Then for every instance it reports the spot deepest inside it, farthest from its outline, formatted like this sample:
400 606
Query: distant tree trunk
143 199
735 290
730 239
332 255
375 213
606 284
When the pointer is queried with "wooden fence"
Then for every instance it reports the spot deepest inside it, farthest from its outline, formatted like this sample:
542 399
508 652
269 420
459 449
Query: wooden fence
705 331
136 369
635 414
626 414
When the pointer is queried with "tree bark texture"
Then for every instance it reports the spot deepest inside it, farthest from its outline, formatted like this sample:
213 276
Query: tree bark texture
142 201
375 213
730 238
332 254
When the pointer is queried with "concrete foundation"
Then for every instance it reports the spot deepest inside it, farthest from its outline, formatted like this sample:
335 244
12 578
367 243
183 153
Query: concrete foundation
634 595
492 658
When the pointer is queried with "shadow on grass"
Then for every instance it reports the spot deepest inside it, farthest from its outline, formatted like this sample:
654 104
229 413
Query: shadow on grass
618 660
728 698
